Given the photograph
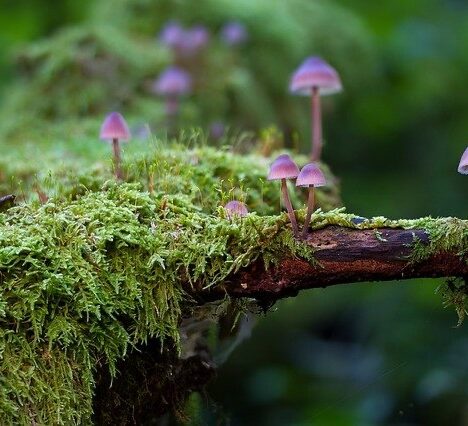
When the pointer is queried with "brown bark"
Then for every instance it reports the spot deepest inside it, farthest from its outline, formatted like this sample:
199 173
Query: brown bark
343 256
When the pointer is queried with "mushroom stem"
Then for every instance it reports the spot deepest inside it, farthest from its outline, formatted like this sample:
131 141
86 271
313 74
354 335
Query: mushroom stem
316 125
287 203
172 111
310 209
117 167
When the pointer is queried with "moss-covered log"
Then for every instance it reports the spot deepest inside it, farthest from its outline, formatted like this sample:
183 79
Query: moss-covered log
345 255
89 279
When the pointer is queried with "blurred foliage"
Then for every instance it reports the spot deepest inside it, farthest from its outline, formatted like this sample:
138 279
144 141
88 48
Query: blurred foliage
81 71
111 66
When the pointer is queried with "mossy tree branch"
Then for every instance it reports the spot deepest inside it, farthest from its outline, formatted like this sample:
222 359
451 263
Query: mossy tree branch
343 256
86 279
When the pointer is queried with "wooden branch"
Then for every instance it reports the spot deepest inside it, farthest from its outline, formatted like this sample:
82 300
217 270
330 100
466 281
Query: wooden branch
344 256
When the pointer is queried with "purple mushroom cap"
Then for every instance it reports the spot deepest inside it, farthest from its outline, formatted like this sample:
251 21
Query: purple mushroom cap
315 72
194 39
463 166
172 34
236 208
283 168
234 33
115 127
217 130
311 175
173 82
198 37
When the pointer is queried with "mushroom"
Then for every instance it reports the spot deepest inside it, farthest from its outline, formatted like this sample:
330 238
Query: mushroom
281 169
310 176
115 128
217 130
463 166
234 33
196 38
236 208
172 35
172 83
314 78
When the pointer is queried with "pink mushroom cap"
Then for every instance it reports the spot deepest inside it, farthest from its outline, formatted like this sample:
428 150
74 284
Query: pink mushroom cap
236 208
311 175
173 81
115 127
234 33
315 72
172 34
283 168
463 166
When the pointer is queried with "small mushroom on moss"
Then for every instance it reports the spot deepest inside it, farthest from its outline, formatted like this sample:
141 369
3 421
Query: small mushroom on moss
115 128
463 166
172 84
310 176
236 208
281 169
313 78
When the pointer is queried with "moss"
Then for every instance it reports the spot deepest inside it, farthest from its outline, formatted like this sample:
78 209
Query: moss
206 175
102 268
85 280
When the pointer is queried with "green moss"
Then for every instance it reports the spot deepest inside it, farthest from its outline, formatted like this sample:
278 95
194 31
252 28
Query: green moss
83 281
207 176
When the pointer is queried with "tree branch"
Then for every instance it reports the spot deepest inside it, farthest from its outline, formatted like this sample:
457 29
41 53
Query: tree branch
344 255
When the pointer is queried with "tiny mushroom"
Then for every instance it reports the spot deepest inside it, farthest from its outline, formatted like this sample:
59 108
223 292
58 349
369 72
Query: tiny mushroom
310 176
236 208
313 78
115 128
234 33
217 130
281 169
172 35
463 166
196 38
173 83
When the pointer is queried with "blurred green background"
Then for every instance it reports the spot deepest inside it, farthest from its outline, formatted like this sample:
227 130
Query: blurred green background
366 354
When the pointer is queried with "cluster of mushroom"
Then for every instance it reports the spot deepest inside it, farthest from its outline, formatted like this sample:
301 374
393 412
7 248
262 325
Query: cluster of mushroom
309 176
186 43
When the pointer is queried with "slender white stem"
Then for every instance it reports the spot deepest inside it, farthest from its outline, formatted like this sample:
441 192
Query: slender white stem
310 210
288 205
